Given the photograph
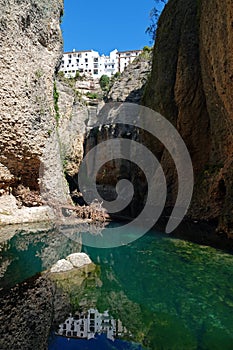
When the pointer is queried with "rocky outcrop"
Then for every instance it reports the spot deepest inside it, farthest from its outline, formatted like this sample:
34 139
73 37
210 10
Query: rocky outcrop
31 47
79 103
75 260
129 87
10 213
191 85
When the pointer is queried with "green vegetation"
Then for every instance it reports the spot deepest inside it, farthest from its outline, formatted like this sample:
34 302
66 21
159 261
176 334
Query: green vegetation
154 17
92 95
104 82
39 73
55 99
116 75
71 80
147 49
77 76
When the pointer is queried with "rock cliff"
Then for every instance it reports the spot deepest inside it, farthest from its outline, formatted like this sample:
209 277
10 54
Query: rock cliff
31 47
129 87
192 86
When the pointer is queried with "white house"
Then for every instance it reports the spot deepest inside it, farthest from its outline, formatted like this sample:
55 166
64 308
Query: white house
90 62
126 57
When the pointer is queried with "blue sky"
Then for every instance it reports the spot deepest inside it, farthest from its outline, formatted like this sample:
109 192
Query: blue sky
105 25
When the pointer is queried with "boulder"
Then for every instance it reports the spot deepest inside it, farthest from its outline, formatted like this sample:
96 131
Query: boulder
61 266
79 259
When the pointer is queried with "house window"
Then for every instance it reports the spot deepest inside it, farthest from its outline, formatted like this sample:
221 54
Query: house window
96 59
86 65
86 59
95 71
69 56
77 60
69 61
79 55
113 66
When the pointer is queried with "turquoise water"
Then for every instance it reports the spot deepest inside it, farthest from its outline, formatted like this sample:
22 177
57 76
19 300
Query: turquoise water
169 293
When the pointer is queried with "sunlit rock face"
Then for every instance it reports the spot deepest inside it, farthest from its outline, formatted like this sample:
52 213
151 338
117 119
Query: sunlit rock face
191 85
129 87
31 47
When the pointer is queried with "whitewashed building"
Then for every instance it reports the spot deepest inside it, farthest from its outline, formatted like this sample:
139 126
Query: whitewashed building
91 63
126 57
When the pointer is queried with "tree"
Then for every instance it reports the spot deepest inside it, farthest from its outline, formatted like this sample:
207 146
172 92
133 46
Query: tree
104 82
154 17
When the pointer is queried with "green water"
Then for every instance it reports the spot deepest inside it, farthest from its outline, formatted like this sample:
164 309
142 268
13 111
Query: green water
169 293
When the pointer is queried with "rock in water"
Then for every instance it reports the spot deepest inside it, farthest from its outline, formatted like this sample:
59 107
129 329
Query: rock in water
79 259
61 266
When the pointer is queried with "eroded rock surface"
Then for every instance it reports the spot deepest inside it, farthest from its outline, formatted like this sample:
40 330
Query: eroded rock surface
129 87
31 47
192 86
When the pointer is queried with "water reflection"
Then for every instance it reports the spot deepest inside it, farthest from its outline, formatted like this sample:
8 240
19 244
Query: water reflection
86 325
166 293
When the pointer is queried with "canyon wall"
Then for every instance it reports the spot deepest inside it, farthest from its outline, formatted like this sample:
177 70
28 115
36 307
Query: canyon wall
191 84
31 48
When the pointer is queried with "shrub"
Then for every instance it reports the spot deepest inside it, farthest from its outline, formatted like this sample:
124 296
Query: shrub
104 82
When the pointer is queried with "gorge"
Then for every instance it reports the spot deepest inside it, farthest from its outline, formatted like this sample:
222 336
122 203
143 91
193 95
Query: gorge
169 293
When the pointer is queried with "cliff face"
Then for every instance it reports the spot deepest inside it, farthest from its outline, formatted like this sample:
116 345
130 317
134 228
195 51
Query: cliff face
31 47
192 86
130 85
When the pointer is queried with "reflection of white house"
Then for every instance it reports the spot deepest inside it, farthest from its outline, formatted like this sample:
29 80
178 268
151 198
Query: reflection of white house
86 325
90 62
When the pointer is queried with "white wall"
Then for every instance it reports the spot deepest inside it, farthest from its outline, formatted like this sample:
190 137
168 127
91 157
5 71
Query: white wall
91 63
